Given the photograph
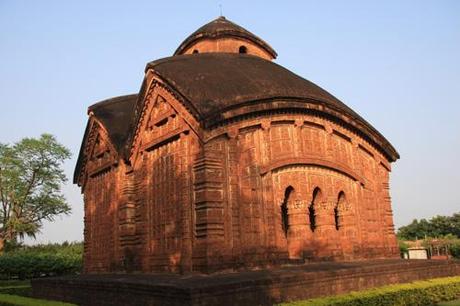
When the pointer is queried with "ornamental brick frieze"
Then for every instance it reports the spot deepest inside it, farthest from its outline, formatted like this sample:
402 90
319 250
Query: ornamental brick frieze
311 144
161 111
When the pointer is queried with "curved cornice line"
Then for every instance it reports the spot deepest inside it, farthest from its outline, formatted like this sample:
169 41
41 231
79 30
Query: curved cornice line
313 161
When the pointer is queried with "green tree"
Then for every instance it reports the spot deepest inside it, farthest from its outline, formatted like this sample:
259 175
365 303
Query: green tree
437 226
455 224
440 226
31 177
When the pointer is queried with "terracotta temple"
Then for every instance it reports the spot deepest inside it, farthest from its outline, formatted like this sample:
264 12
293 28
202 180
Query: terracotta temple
226 160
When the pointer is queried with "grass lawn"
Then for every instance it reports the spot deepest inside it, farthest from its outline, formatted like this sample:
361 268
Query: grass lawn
15 287
19 292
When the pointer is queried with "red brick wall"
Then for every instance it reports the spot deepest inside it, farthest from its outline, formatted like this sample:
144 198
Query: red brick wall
101 198
261 158
162 172
194 199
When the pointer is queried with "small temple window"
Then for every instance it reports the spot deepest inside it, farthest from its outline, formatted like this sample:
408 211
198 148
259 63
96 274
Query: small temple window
243 49
311 209
195 51
284 210
340 203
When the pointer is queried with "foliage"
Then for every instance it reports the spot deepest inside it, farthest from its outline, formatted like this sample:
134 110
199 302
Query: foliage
31 176
11 245
42 260
427 292
435 227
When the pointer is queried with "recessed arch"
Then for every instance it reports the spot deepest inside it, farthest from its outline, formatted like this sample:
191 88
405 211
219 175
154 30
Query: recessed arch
341 199
195 51
243 50
288 195
316 199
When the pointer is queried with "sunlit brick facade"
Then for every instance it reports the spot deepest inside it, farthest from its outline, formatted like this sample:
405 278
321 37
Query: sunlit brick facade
226 160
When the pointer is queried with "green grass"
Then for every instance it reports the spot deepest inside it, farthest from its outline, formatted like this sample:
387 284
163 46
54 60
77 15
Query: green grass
15 292
6 299
16 287
428 292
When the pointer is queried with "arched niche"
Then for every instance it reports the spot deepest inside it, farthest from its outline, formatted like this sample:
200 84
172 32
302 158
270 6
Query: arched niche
338 210
316 199
285 205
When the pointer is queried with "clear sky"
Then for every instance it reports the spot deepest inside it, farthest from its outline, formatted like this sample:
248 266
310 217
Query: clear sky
397 63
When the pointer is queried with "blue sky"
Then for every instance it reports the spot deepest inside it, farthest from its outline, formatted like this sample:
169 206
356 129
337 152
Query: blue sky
397 63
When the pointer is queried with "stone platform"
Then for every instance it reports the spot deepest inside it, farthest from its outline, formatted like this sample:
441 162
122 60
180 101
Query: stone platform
262 287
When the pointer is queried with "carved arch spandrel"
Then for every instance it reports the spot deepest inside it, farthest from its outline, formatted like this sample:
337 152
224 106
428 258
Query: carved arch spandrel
160 105
305 178
99 152
312 161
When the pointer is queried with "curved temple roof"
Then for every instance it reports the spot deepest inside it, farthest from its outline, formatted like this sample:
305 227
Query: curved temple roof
212 84
216 82
222 27
116 115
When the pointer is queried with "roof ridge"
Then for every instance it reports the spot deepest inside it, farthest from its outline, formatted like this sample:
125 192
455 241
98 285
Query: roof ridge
113 100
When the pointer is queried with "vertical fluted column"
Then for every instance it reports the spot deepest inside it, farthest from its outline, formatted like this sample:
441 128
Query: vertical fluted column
209 209
127 222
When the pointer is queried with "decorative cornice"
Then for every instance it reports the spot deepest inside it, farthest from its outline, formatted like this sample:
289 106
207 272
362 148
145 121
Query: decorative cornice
312 107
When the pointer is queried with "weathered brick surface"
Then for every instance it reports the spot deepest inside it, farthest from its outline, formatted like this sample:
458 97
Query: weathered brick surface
186 205
268 183
265 287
